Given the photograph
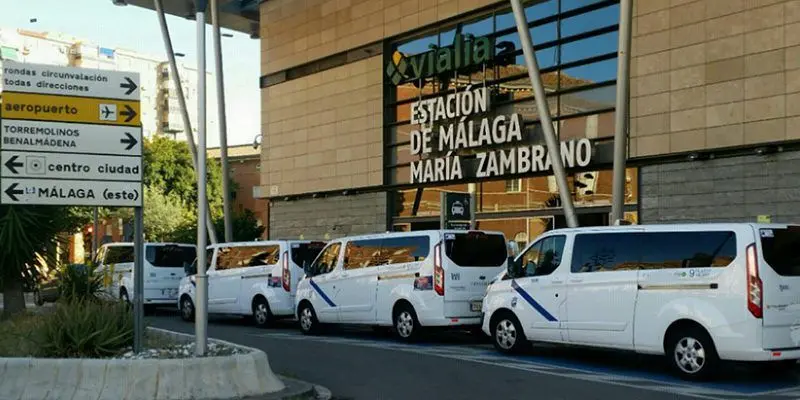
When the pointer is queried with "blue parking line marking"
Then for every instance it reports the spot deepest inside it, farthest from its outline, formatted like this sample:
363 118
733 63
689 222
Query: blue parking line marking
536 306
321 293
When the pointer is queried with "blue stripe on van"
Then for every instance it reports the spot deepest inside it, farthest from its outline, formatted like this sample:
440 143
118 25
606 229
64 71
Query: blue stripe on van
321 293
538 307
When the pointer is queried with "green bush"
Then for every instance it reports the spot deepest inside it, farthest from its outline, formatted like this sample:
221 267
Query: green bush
79 283
84 329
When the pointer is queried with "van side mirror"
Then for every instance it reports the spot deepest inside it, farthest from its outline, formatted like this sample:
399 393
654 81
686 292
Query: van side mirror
306 268
513 248
513 267
190 269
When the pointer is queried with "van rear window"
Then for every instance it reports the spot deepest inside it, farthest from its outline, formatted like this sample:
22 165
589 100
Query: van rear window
170 256
476 249
780 248
305 253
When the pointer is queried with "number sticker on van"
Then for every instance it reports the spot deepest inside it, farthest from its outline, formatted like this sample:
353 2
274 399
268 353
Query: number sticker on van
767 233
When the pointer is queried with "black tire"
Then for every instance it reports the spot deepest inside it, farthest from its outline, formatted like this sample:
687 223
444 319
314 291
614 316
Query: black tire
124 298
691 354
37 298
187 309
406 325
309 324
508 335
262 316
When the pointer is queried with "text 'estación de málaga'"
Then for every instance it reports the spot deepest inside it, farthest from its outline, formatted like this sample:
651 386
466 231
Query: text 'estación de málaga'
462 132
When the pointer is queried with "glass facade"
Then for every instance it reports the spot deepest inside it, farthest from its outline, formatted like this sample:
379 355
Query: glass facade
576 48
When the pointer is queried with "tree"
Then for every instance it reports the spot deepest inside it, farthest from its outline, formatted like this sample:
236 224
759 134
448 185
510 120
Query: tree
245 226
168 165
27 233
164 214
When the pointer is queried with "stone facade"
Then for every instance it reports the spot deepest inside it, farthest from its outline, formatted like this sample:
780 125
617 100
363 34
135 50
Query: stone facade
324 131
714 73
728 189
296 32
333 216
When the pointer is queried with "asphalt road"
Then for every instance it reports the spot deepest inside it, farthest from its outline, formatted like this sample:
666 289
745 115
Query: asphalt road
360 364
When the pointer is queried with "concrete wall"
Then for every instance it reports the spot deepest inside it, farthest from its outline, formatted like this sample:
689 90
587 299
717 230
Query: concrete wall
335 216
734 189
714 73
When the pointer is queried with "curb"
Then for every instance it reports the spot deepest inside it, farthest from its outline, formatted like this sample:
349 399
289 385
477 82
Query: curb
296 390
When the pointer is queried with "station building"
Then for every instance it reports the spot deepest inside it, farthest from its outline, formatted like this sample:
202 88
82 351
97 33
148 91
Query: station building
347 85
366 104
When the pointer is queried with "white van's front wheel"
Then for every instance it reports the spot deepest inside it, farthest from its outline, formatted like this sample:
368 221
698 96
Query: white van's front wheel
507 334
308 319
187 309
692 354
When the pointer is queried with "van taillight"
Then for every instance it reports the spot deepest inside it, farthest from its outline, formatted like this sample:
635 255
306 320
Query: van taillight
286 274
754 288
438 272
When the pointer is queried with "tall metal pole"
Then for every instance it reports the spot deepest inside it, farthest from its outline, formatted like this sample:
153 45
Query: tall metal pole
187 123
223 125
472 188
201 316
95 235
553 148
621 115
138 277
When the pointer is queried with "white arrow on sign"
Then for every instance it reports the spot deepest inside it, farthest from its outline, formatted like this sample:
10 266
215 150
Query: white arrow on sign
70 193
70 166
61 137
70 81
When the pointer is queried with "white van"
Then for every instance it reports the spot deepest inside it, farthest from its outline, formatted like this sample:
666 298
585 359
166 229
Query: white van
163 269
697 293
406 280
257 279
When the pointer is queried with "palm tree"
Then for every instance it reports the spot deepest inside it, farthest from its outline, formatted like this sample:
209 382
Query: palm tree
26 233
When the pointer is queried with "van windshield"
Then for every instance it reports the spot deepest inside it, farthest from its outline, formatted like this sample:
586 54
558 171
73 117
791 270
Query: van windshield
780 249
170 256
476 249
305 253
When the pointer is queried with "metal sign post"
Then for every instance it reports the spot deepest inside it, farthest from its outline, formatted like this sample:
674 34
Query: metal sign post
621 115
138 277
553 147
73 137
201 314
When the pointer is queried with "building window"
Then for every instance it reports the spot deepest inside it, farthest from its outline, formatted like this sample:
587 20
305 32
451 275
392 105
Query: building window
513 185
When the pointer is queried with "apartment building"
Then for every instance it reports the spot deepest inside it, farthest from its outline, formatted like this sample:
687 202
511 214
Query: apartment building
160 106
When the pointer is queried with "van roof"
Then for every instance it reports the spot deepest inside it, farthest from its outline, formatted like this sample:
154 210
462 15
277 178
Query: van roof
118 244
259 243
646 227
415 233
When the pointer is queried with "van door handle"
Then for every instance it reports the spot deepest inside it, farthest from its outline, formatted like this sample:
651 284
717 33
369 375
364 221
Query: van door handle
576 280
557 282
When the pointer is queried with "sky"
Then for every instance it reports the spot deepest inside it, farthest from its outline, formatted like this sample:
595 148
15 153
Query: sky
137 29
